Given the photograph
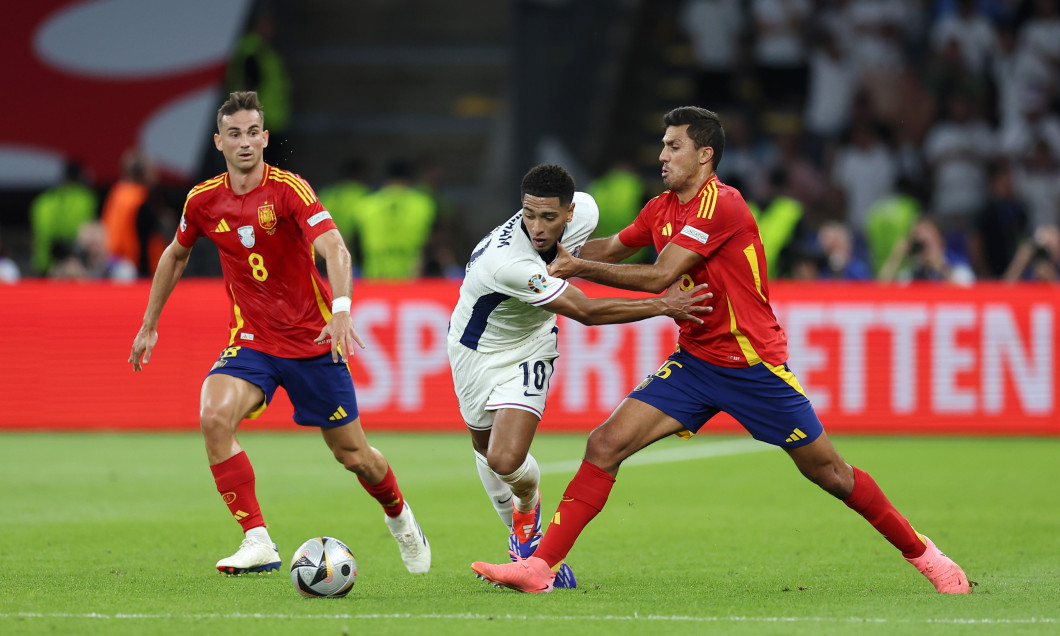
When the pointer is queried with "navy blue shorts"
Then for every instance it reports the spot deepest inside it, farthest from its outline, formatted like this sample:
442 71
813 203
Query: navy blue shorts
767 401
320 390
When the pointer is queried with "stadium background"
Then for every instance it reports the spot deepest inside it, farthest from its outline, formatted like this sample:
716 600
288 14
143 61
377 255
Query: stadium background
484 89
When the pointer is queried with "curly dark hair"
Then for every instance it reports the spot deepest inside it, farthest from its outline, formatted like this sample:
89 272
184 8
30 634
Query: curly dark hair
704 128
548 180
237 101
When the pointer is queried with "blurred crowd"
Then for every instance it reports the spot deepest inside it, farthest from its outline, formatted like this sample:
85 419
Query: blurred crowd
888 140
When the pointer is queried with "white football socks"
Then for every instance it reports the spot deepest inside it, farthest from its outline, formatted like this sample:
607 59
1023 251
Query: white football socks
499 493
524 483
259 534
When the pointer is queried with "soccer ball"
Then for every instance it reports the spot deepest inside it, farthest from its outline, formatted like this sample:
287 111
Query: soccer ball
323 567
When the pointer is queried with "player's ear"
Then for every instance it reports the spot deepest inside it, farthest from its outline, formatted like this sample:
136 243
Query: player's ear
264 139
706 155
570 212
217 141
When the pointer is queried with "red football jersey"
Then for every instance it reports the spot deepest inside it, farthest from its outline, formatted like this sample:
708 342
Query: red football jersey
280 302
717 223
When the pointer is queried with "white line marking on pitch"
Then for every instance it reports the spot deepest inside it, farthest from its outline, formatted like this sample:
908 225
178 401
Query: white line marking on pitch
695 450
606 618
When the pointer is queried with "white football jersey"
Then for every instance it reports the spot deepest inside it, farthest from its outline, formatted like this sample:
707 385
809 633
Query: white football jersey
506 283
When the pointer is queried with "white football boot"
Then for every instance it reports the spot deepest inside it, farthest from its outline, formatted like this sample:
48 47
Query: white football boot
415 551
252 556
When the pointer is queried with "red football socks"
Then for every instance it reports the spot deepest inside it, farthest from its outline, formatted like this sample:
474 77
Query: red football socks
235 481
584 498
870 502
386 492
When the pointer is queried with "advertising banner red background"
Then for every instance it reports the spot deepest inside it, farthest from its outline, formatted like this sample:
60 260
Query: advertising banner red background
916 359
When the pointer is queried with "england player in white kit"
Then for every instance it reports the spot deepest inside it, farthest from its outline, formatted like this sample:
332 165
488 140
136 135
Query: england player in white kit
503 340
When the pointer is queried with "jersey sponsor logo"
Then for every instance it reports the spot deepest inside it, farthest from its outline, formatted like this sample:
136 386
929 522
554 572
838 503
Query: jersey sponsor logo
318 217
267 218
246 235
246 336
537 283
183 224
222 227
698 235
667 230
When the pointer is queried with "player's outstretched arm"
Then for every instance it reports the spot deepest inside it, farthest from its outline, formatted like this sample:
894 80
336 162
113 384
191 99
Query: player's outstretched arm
339 329
678 303
672 262
606 250
171 266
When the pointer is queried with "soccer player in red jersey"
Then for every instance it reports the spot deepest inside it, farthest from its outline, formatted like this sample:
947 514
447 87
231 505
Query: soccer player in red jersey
735 361
289 328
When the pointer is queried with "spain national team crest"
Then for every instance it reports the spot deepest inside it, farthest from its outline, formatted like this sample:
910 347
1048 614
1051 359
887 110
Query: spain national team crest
267 218
246 236
537 283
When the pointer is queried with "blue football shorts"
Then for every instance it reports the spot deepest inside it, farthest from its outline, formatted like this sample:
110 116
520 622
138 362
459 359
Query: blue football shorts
320 390
768 402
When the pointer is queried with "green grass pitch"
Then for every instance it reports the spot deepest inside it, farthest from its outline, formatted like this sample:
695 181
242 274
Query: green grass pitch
119 533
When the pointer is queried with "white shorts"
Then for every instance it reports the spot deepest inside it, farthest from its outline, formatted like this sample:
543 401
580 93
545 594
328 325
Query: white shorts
511 379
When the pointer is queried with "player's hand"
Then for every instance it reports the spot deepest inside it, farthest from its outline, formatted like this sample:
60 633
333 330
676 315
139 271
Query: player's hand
683 304
143 344
342 335
564 265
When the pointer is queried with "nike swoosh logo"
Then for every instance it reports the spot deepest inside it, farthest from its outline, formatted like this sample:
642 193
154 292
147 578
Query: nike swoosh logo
504 501
528 394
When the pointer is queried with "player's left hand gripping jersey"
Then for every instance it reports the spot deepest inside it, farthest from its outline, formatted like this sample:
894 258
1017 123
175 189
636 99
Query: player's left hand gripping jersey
280 302
506 282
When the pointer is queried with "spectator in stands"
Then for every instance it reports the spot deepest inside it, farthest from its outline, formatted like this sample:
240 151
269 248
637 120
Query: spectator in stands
9 272
958 150
342 199
864 170
923 255
57 214
971 30
447 237
1002 225
1038 258
121 208
890 219
780 223
837 247
620 194
713 28
1037 183
89 258
779 49
833 83
394 223
257 66
1041 33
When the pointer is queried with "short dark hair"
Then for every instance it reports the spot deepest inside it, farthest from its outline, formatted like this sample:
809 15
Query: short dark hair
237 101
704 128
548 180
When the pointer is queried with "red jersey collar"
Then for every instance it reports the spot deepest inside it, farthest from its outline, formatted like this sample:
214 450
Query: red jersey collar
264 178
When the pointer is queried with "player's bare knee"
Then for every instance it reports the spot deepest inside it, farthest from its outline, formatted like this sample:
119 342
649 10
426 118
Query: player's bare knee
215 422
353 461
603 450
505 462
